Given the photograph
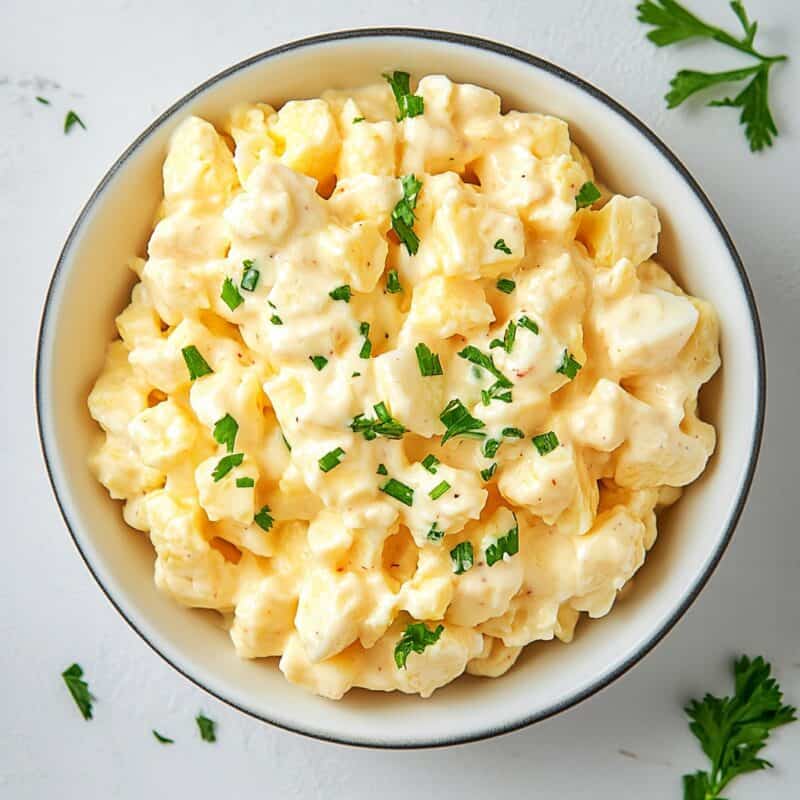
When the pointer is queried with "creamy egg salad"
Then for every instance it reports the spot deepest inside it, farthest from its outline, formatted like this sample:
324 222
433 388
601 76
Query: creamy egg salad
400 389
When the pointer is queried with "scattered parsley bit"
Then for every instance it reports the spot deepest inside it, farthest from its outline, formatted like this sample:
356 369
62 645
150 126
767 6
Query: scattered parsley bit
495 392
195 363
430 462
488 473
673 23
489 448
43 100
384 424
415 639
163 739
506 285
501 245
79 689
439 490
429 364
587 194
403 214
357 119
230 295
356 375
509 337
471 353
226 464
245 483
71 119
513 433
545 442
207 728
393 282
366 347
276 320
250 275
462 557
382 470
459 422
398 490
505 545
568 366
341 293
264 519
320 362
331 460
526 322
733 730
435 534
225 431
408 105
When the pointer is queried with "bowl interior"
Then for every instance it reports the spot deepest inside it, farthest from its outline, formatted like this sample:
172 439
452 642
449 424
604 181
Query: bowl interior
91 287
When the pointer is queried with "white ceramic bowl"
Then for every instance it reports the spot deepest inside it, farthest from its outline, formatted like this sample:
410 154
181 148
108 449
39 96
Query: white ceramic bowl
91 285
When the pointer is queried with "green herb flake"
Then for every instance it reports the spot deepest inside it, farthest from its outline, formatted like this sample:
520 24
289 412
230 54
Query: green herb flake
225 465
163 739
195 363
276 320
415 639
489 448
341 293
357 119
264 519
71 120
527 322
488 473
383 424
474 355
408 104
43 100
320 362
245 483
403 213
399 491
568 366
545 442
509 337
501 245
430 462
435 534
250 275
440 489
225 430
462 557
366 347
207 728
513 433
382 470
507 545
79 689
587 194
331 460
230 295
393 282
428 361
459 422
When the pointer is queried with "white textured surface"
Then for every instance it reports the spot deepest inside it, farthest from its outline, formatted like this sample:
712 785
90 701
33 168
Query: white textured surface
120 63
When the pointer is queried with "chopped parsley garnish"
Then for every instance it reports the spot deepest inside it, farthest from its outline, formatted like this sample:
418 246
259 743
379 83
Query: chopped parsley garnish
331 460
545 442
356 375
357 119
79 689
489 448
430 463
506 285
398 490
488 473
320 362
471 353
163 739
587 194
526 322
415 639
505 545
276 320
568 366
403 214
207 728
408 105
366 347
225 431
230 295
509 337
435 534
501 245
382 469
513 433
43 100
72 119
225 465
495 392
264 519
195 363
245 483
441 488
462 557
383 424
341 293
250 275
393 282
429 364
459 422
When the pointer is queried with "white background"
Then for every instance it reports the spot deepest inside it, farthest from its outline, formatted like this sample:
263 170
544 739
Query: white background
118 64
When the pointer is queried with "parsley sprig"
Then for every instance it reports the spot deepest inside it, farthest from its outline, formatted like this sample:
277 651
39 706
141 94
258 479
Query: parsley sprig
673 23
416 638
733 730
403 214
408 104
384 424
79 689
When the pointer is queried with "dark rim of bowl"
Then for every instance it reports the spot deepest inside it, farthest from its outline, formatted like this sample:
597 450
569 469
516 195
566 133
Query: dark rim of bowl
505 50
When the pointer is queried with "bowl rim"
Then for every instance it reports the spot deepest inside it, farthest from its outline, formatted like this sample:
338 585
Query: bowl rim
530 60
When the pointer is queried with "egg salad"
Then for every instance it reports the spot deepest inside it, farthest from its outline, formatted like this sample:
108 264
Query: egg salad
401 388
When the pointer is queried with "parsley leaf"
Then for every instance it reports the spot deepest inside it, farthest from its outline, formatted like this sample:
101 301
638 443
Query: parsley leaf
509 337
366 345
430 462
408 105
72 119
230 295
587 194
341 293
568 366
400 491
264 519
488 473
462 557
472 354
415 639
545 442
195 363
79 689
672 22
384 424
320 362
459 422
429 364
403 213
250 275
207 728
163 739
734 730
245 483
501 245
331 460
225 465
225 431
441 488
506 545
393 285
